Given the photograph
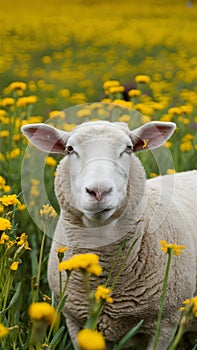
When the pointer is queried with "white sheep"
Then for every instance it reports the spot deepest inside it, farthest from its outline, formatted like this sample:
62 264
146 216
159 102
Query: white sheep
104 198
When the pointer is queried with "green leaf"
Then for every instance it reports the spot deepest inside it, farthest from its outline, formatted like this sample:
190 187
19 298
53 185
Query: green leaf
61 304
57 336
128 336
15 296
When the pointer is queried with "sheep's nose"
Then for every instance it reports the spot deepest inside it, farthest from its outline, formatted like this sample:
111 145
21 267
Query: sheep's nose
98 193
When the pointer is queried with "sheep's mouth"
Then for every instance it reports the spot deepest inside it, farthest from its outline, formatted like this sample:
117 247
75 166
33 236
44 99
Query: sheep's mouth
101 215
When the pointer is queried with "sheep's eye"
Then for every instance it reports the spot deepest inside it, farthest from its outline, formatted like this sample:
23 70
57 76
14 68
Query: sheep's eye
129 149
69 149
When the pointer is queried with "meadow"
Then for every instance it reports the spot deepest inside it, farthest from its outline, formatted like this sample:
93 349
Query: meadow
57 56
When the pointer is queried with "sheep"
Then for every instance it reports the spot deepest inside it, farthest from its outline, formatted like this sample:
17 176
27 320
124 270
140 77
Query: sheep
104 198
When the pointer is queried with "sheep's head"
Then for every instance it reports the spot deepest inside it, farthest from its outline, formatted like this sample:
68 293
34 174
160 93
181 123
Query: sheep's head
98 158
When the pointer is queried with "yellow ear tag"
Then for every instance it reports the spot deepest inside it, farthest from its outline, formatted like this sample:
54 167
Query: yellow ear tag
145 145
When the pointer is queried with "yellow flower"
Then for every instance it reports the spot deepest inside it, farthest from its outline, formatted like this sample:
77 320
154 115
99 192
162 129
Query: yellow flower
46 59
186 146
87 262
4 133
6 102
14 266
21 207
2 158
153 175
115 89
104 294
10 199
4 238
167 144
177 249
6 188
35 119
2 182
89 339
144 79
109 83
3 331
50 161
48 211
5 224
188 137
69 127
62 249
171 171
183 120
43 311
175 111
13 154
166 118
186 109
18 85
64 93
22 240
16 138
85 112
124 118
190 302
25 101
2 113
134 93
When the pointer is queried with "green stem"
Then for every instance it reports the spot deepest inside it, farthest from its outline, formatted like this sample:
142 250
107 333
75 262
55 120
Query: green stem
40 265
93 319
66 284
177 338
161 304
60 282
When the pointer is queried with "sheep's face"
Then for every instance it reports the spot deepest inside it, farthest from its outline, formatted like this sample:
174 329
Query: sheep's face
99 160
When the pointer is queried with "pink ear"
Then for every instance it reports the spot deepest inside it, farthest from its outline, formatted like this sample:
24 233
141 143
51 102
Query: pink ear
151 135
45 137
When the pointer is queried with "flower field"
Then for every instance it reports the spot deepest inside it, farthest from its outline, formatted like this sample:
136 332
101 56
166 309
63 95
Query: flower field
60 55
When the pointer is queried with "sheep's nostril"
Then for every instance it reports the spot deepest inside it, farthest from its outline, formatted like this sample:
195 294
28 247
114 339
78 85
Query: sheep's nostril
98 194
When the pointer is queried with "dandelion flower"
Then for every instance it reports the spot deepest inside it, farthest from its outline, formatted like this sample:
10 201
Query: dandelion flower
134 93
177 249
61 249
4 238
17 85
192 301
125 118
10 199
171 171
6 102
14 266
143 79
48 211
22 240
43 311
5 224
89 339
3 331
50 161
103 293
25 101
86 262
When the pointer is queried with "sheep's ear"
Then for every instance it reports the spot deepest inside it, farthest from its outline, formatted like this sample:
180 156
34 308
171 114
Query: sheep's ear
46 137
151 135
